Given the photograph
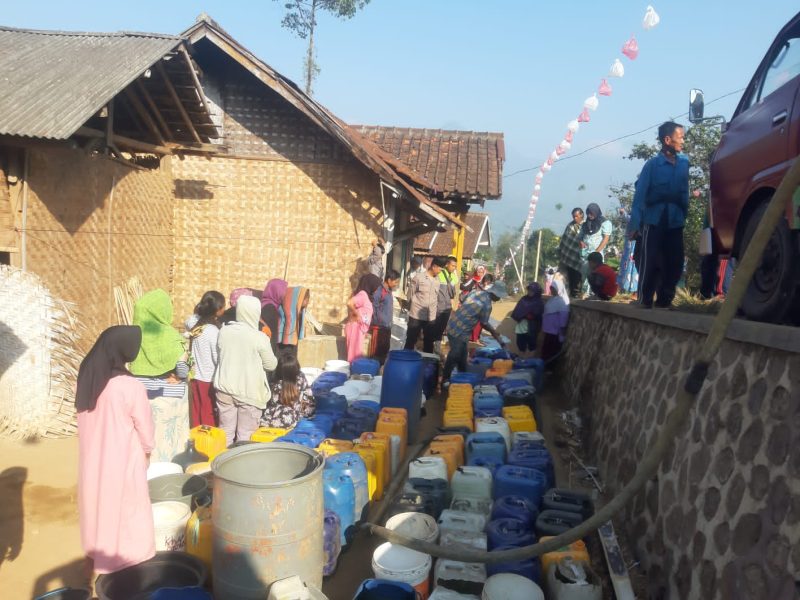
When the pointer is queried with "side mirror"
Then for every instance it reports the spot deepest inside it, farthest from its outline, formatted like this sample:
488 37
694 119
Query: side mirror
696 106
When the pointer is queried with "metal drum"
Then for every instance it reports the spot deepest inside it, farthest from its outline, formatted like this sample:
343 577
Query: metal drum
268 518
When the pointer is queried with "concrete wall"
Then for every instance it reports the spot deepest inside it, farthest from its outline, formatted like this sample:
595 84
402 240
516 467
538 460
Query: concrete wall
722 517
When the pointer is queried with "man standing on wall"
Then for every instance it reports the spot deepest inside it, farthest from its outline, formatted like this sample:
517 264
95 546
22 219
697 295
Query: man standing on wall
447 292
423 298
570 263
659 211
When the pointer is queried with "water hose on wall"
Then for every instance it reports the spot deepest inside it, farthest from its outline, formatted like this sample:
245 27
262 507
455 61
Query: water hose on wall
675 419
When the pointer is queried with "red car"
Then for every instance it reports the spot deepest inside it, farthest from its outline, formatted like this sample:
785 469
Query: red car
758 146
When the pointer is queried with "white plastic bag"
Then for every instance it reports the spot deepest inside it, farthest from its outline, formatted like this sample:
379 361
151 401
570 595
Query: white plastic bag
651 18
616 70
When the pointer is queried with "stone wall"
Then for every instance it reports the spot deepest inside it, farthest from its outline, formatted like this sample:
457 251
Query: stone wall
722 517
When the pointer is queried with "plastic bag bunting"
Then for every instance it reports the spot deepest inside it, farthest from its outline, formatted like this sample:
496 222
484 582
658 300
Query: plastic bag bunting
630 49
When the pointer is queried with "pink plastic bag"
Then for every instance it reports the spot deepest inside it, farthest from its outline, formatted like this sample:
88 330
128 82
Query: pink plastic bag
584 116
604 89
631 48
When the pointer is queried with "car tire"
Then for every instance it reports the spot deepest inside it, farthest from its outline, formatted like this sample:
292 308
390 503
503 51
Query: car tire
770 295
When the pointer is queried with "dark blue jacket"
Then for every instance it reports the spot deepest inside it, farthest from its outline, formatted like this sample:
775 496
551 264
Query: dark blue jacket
662 186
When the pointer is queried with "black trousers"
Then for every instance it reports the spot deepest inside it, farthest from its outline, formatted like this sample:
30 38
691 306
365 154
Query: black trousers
440 325
662 264
415 327
574 282
709 265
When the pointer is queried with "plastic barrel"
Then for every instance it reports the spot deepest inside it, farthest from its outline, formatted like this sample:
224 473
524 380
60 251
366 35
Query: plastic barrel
285 482
382 589
402 386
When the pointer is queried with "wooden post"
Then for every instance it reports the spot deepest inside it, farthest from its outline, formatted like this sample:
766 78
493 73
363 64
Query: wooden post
459 235
514 262
538 254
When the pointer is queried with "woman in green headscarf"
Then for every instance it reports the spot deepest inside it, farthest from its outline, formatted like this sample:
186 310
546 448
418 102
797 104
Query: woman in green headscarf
162 345
161 367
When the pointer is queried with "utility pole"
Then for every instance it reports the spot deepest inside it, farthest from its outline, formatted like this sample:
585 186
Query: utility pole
538 254
522 264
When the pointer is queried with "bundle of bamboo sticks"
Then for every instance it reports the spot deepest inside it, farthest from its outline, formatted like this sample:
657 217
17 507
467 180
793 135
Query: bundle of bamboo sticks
125 296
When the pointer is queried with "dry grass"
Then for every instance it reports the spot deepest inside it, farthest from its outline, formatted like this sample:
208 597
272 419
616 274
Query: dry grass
684 302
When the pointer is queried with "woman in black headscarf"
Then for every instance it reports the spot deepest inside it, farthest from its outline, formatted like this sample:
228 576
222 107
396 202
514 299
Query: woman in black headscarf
115 438
595 231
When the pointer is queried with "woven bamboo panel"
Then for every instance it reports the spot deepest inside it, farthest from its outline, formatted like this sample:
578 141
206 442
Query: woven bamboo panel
38 358
93 224
317 218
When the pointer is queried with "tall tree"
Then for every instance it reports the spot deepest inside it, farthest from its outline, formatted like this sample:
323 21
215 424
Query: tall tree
301 18
701 142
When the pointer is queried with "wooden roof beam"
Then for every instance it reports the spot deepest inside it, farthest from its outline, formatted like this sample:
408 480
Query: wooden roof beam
186 119
197 86
167 133
145 116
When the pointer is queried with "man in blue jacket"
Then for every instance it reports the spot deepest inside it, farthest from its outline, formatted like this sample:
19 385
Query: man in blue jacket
659 214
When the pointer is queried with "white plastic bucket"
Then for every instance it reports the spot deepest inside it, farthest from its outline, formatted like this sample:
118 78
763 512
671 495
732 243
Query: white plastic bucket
311 373
496 424
415 525
428 467
472 481
397 563
457 520
508 586
441 593
292 588
338 366
157 469
169 521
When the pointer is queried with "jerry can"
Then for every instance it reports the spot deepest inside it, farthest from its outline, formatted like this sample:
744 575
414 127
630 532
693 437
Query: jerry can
555 522
200 534
464 539
384 441
436 493
268 434
503 365
486 444
428 467
372 458
394 425
458 520
487 462
461 577
452 439
534 458
330 446
331 541
352 465
449 454
496 424
457 419
397 411
569 501
519 418
509 532
339 495
208 440
475 482
482 506
460 389
515 507
576 550
379 450
520 481
527 437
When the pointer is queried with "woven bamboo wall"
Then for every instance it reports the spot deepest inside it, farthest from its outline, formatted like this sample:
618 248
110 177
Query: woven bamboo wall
82 239
238 222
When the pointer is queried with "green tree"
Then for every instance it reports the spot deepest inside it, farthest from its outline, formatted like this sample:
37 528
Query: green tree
701 142
547 258
301 18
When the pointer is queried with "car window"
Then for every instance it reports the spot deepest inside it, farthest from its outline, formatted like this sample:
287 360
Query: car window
785 67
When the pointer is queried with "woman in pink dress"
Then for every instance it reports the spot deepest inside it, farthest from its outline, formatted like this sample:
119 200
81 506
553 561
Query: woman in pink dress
115 438
360 309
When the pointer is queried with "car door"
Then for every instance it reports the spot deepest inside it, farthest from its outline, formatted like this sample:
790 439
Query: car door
755 149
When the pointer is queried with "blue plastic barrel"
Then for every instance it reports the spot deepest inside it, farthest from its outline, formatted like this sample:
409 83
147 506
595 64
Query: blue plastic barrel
530 568
365 366
332 534
402 386
382 589
534 458
352 465
515 507
520 481
486 444
509 532
340 497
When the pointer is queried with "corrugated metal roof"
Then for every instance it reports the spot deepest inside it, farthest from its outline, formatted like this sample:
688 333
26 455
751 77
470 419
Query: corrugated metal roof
52 82
463 164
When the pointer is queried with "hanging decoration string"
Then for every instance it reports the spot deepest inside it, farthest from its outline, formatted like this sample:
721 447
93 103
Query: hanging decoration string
630 49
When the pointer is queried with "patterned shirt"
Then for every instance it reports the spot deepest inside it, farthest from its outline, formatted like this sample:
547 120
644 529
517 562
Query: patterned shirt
570 247
286 417
476 308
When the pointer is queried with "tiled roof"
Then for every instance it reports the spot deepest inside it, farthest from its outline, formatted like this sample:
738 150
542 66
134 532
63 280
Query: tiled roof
52 82
441 243
460 164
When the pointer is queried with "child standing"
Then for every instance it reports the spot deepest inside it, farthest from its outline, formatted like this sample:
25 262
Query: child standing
291 396
203 350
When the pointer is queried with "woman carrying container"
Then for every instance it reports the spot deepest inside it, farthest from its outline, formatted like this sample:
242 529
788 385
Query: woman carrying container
245 356
115 438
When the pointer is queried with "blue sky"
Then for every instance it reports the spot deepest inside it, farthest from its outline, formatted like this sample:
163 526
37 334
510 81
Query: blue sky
521 67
